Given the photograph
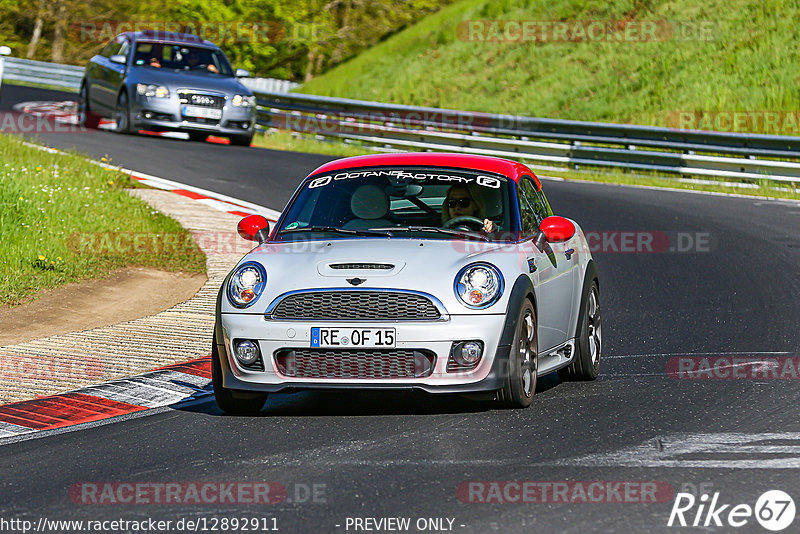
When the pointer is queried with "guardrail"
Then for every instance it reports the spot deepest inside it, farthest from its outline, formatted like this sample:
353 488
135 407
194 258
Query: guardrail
547 141
41 72
69 76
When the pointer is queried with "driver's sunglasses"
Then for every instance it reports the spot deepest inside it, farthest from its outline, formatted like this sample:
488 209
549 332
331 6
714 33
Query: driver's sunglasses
462 202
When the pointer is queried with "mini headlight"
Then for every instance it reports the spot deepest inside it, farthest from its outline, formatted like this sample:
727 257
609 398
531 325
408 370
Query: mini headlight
158 91
479 285
246 284
243 101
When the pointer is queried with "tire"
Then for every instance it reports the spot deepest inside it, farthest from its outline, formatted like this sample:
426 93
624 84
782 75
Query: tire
586 363
197 136
122 114
523 361
241 140
230 400
86 117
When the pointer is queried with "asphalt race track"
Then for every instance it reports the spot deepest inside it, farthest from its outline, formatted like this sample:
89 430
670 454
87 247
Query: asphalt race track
379 455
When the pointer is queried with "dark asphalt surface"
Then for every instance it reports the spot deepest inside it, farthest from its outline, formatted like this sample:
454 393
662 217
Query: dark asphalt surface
404 455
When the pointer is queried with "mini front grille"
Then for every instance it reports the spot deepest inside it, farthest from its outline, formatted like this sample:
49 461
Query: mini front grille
202 100
354 364
356 305
363 266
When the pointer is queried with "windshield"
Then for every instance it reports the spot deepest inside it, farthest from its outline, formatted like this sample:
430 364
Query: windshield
400 202
182 57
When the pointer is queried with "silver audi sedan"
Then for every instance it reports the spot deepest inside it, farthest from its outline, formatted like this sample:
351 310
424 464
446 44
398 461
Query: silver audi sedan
159 81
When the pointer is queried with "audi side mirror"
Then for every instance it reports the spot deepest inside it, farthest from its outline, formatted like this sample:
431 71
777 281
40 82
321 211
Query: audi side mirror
118 58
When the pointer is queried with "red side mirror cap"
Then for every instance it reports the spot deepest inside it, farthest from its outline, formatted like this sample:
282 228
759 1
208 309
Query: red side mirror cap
254 228
557 229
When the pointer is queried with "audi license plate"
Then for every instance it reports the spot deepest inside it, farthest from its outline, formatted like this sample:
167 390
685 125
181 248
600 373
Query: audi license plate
199 111
352 337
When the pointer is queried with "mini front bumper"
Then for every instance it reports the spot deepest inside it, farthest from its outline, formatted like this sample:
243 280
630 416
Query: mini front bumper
437 337
160 114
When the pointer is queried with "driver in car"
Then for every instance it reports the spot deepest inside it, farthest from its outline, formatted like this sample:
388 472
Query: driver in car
193 61
460 201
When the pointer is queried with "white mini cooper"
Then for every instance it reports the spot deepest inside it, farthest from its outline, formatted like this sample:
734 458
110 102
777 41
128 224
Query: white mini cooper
447 273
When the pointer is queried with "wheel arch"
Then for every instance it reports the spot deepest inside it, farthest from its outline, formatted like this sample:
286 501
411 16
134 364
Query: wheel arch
521 290
590 275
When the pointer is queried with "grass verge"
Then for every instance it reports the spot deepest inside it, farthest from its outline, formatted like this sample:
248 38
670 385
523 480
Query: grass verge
765 188
64 219
712 59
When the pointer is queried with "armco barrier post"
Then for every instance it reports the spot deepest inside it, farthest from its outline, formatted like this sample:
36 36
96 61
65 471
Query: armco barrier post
4 51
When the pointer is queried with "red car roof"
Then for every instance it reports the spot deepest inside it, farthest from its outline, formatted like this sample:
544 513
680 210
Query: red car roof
506 167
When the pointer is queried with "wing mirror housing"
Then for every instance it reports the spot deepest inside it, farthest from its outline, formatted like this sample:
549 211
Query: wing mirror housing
242 73
254 228
118 58
5 51
554 229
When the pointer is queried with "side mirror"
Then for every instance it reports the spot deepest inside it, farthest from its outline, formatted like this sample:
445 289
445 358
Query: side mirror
118 58
241 73
254 228
557 229
5 51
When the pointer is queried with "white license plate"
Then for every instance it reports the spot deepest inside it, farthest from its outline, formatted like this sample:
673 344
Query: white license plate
199 111
352 337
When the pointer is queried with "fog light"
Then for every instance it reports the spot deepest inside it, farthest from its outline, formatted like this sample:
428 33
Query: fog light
246 352
470 353
465 355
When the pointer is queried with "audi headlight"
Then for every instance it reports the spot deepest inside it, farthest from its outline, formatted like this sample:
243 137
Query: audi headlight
242 101
479 285
158 91
246 284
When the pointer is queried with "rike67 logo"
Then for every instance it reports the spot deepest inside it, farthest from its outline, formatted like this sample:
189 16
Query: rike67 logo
774 510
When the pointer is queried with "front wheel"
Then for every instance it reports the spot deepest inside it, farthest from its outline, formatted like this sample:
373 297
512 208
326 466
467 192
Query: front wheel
122 114
586 363
230 400
86 117
241 140
523 362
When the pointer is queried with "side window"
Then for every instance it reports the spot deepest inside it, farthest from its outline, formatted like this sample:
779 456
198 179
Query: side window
527 211
124 48
108 50
539 207
543 199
